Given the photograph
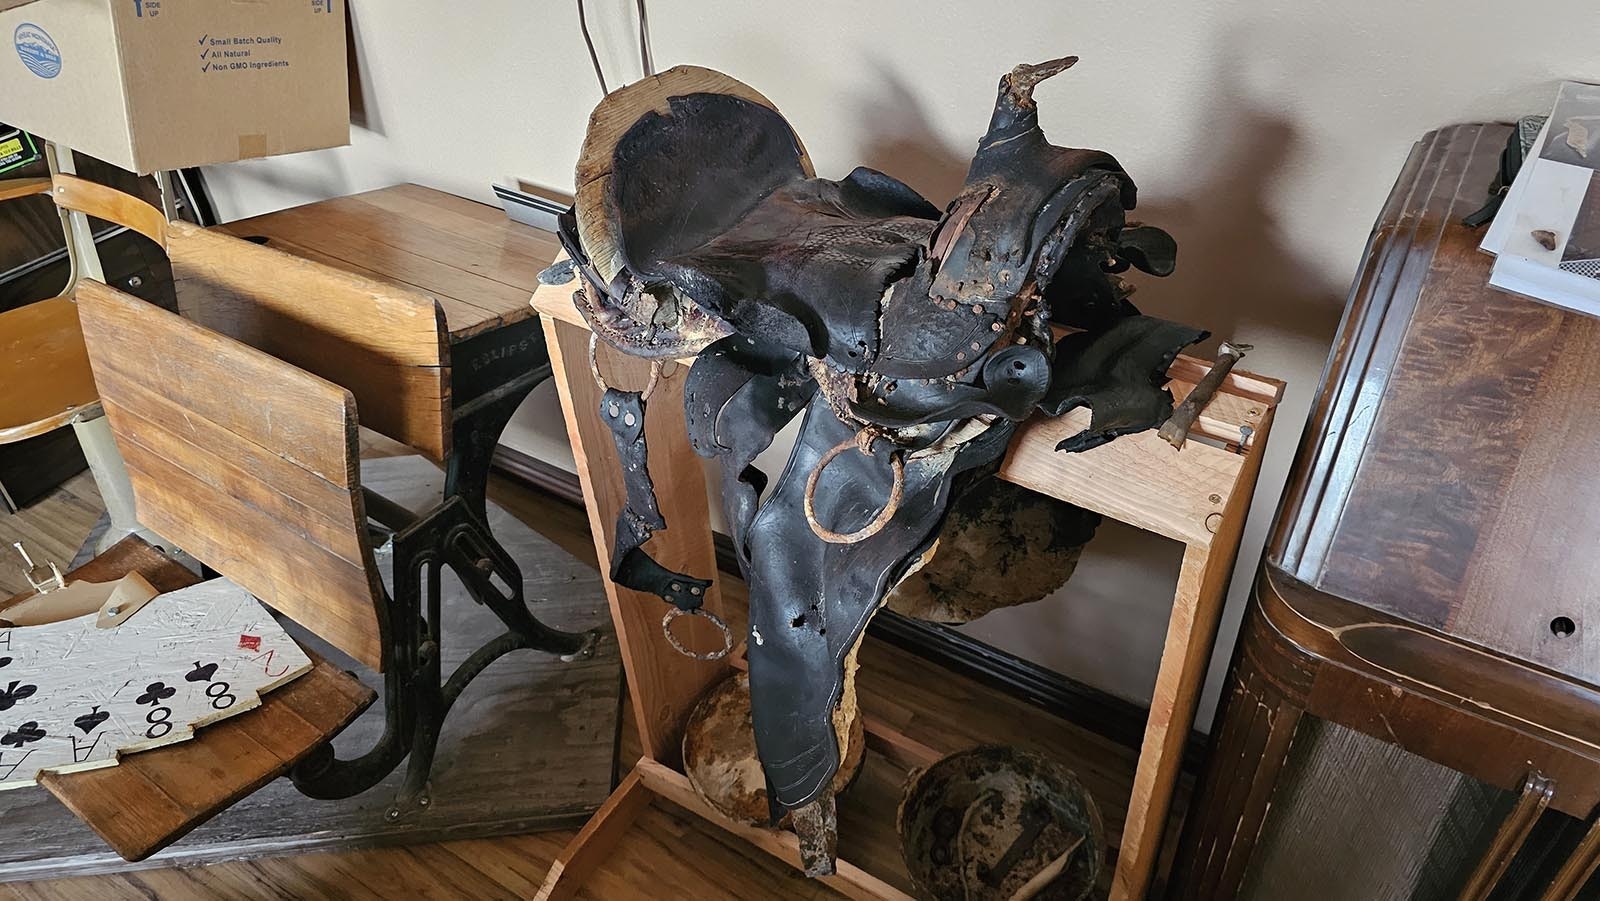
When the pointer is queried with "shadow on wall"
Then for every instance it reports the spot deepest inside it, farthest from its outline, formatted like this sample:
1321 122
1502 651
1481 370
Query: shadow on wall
905 145
1236 276
1233 267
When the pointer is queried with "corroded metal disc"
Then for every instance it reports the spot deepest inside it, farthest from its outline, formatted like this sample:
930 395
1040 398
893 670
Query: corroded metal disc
719 753
981 824
1001 546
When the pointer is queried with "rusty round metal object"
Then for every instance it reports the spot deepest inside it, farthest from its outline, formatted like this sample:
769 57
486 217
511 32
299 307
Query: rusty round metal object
719 753
715 620
981 824
594 370
897 466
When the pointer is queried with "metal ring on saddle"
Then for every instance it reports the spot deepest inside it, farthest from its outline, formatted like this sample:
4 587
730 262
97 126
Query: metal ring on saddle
897 466
675 612
594 370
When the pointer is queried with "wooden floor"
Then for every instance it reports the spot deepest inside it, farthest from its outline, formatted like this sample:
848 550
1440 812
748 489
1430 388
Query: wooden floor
669 853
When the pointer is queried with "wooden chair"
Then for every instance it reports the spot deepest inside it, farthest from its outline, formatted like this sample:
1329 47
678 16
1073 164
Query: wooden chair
43 364
238 422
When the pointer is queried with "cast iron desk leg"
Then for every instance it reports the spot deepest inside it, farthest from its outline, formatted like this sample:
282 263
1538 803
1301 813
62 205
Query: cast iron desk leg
491 374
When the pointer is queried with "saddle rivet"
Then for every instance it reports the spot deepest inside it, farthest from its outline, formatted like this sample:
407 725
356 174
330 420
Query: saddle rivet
961 355
977 308
695 590
613 410
995 327
675 586
629 420
977 346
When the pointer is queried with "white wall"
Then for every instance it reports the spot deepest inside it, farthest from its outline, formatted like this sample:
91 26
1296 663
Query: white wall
1264 135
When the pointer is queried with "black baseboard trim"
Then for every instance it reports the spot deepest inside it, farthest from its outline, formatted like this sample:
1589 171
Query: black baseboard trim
1105 714
536 473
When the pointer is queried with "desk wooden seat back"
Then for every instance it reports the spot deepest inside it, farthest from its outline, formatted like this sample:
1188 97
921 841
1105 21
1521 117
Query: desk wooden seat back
387 345
243 460
238 419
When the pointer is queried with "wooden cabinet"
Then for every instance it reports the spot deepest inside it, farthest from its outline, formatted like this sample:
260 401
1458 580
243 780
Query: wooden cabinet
1412 712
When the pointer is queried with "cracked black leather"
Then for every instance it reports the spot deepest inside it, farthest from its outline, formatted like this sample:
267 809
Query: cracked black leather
631 567
1114 373
810 600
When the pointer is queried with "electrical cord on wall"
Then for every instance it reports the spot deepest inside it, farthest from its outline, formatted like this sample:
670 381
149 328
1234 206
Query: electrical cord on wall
647 61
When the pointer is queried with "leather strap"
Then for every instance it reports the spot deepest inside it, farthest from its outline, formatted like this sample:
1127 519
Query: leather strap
631 567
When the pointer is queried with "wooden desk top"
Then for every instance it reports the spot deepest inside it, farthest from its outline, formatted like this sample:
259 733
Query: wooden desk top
478 264
1448 474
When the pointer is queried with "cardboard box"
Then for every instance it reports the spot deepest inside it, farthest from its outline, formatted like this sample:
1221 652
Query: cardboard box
163 84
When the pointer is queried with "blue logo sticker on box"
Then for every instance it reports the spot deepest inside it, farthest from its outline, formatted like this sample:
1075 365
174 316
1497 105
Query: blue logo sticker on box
37 51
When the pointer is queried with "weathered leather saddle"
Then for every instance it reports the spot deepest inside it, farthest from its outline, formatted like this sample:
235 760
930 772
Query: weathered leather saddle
912 339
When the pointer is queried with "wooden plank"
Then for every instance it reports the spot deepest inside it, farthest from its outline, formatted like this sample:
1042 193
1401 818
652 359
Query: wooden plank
1240 383
476 294
320 514
1191 634
235 465
555 302
1173 494
152 799
270 557
664 684
251 524
524 250
850 880
454 203
388 346
463 318
293 420
101 202
901 749
452 242
443 244
44 368
593 843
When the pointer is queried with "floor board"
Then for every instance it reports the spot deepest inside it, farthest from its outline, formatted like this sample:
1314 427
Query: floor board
669 854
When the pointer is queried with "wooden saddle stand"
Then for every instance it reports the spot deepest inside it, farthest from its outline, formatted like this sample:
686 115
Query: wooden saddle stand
268 493
1197 496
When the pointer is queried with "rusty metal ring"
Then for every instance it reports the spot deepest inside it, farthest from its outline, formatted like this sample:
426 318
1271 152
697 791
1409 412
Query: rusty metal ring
675 612
897 466
594 370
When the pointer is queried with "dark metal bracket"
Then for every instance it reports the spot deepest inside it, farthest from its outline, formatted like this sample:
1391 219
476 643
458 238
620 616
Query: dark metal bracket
454 535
